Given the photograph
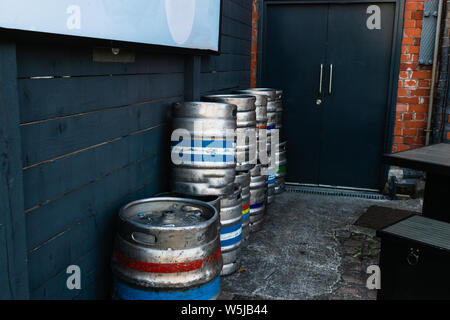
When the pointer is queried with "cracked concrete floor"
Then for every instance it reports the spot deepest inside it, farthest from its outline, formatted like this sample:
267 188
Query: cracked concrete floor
298 254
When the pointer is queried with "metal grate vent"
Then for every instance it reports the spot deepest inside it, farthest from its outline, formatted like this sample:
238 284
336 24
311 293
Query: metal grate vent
336 192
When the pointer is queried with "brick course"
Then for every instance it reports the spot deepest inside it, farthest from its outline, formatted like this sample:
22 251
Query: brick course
254 48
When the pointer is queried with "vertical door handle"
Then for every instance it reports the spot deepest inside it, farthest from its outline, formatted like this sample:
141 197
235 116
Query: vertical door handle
331 78
321 77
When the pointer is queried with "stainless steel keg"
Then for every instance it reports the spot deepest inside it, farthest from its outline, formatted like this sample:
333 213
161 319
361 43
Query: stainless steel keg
246 127
203 148
243 178
281 169
167 249
258 187
231 231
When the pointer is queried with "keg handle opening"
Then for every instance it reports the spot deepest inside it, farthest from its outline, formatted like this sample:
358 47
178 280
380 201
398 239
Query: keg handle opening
144 238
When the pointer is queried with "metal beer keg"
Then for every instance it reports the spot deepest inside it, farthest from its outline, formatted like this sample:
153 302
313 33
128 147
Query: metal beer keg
167 249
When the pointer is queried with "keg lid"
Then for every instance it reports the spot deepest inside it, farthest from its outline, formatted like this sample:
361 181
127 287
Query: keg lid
271 94
167 213
244 102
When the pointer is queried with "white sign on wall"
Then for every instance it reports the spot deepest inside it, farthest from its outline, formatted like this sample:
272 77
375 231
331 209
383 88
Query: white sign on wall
192 24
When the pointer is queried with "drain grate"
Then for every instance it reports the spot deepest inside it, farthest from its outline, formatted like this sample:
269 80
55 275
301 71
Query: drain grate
336 192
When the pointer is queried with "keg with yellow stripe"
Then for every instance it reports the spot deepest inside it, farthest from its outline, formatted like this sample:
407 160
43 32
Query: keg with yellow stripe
231 231
243 178
258 195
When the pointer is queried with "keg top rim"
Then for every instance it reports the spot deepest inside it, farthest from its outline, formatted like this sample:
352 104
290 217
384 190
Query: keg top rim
166 217
214 103
269 93
230 96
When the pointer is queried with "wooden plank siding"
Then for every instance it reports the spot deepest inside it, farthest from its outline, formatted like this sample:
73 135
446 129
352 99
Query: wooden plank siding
95 136
13 257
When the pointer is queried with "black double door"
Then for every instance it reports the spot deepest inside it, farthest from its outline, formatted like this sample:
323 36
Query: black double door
333 62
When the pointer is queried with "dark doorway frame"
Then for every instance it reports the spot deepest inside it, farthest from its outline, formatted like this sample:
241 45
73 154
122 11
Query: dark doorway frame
393 72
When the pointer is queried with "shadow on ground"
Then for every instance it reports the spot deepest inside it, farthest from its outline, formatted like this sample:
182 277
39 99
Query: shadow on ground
310 249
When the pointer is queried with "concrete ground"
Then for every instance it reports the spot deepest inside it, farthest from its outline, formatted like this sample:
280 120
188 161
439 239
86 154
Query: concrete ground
310 249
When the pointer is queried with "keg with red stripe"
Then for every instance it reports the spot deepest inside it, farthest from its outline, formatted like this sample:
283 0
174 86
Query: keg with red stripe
258 187
231 231
243 178
167 249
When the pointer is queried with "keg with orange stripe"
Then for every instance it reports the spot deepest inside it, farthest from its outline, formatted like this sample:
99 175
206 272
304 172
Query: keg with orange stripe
167 249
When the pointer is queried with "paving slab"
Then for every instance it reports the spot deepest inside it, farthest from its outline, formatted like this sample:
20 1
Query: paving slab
310 249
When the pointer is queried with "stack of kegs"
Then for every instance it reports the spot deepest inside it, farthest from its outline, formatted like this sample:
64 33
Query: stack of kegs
258 197
268 167
246 120
204 163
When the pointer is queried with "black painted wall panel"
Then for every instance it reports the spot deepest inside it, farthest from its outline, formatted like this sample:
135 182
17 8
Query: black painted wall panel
230 70
94 136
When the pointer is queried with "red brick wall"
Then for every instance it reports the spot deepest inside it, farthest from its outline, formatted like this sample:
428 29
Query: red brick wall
254 50
414 84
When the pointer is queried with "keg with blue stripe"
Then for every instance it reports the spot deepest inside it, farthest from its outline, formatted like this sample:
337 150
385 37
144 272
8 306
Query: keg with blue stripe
258 195
231 232
246 127
203 148
280 175
243 178
167 249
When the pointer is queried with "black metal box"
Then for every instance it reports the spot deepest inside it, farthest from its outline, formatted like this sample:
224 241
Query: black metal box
415 259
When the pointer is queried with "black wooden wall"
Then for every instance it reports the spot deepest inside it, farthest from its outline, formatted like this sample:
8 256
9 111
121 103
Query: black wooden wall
80 139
